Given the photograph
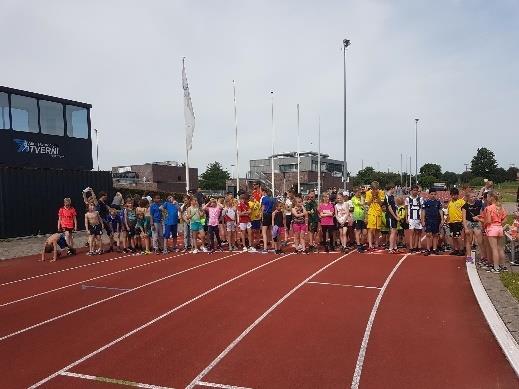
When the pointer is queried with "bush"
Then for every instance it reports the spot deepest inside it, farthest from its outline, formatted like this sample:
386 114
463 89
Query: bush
127 192
476 181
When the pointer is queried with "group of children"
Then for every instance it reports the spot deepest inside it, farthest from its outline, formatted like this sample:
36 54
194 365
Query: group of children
368 220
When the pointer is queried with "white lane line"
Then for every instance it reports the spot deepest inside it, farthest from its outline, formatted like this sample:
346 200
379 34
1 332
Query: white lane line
112 380
128 334
63 270
364 345
345 285
110 298
88 280
214 385
101 287
222 355
504 337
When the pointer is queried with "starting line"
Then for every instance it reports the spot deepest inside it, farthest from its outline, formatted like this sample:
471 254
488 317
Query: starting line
112 380
344 285
103 287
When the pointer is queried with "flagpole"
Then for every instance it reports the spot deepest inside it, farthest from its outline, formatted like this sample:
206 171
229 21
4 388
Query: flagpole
273 136
319 161
298 155
189 117
187 169
236 135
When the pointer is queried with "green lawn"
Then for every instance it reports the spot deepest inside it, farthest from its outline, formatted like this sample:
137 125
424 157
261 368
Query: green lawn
508 191
511 282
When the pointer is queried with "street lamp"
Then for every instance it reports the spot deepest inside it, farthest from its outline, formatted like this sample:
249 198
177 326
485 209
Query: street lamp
416 152
346 43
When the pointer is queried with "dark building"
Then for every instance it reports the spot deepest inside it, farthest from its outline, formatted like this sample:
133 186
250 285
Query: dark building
157 176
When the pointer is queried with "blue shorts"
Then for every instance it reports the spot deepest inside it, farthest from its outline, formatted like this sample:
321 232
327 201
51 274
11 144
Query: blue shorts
196 226
170 231
256 224
62 242
432 226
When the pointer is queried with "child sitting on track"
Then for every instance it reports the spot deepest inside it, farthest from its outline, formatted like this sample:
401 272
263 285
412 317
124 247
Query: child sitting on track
55 244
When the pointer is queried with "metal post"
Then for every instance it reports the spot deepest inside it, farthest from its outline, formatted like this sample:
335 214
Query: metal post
401 175
345 43
236 135
97 147
319 161
416 152
273 137
298 154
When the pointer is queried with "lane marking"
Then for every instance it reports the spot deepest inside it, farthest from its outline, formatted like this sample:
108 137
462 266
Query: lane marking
345 285
112 380
109 298
88 280
102 287
364 345
496 324
214 385
222 355
145 325
64 270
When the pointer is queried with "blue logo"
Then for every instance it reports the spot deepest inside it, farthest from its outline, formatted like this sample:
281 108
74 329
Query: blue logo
23 145
27 146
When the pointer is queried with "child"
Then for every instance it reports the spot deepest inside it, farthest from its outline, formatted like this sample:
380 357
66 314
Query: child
186 226
255 220
289 203
267 207
95 229
456 221
471 222
402 226
326 212
414 205
342 213
156 222
384 227
142 229
359 218
245 222
374 200
130 221
170 223
278 223
194 216
313 220
493 217
391 217
213 209
55 244
299 223
229 219
432 219
115 225
445 241
67 221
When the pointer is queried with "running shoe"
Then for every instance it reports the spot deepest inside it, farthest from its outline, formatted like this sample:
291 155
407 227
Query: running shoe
204 249
263 251
494 270
503 268
252 249
245 249
195 251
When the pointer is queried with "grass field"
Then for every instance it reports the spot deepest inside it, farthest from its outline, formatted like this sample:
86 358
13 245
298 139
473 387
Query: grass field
508 191
511 282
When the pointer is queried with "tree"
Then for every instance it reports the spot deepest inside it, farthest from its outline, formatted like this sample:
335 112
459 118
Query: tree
484 163
511 173
431 169
426 181
466 176
476 182
214 177
500 175
450 178
365 176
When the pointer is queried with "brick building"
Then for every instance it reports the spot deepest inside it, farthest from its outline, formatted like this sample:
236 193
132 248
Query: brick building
157 176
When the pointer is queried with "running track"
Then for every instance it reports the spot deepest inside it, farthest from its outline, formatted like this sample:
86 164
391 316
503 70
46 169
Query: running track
232 320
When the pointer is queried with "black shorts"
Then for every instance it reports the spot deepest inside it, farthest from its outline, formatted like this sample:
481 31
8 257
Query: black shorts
359 225
432 226
108 228
267 220
70 230
131 231
288 221
456 229
95 230
312 226
391 222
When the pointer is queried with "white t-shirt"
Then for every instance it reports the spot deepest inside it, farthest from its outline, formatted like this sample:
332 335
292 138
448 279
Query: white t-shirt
342 211
288 206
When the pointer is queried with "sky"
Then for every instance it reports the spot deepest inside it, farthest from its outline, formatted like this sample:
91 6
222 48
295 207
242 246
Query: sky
451 63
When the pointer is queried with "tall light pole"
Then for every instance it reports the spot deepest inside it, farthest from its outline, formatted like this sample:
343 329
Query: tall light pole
319 160
273 135
298 155
416 152
345 43
236 135
97 147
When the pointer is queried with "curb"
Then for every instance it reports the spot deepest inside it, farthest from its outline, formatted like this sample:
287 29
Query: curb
504 338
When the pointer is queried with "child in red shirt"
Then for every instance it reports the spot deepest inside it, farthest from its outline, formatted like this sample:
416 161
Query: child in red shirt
244 220
67 221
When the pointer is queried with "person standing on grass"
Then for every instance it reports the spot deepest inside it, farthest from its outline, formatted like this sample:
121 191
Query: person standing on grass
244 219
432 218
456 221
414 205
313 221
326 211
299 223
171 222
55 244
374 199
494 215
67 221
267 207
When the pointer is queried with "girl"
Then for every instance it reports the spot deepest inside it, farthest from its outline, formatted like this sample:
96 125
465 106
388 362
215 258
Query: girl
342 213
143 226
187 229
471 218
221 224
229 219
493 217
299 223
213 212
401 213
278 224
194 215
130 220
326 212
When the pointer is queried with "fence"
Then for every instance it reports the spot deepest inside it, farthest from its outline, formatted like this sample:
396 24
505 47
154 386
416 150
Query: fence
30 198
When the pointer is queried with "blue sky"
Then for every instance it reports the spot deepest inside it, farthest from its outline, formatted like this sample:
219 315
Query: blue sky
453 64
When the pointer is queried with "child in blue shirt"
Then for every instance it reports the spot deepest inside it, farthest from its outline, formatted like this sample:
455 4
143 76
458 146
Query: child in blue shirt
432 218
170 222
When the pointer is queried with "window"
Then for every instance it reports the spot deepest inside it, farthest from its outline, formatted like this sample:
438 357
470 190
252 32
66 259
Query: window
77 122
24 111
4 112
51 118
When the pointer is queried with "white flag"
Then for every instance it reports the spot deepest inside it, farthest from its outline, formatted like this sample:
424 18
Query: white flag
189 115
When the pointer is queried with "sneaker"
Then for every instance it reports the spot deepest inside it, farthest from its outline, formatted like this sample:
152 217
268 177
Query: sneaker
454 252
90 253
204 249
252 249
165 252
503 268
494 270
264 251
146 252
279 252
195 251
99 252
245 249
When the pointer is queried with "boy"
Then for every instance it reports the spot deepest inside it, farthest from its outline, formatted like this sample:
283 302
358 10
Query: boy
115 224
432 219
401 212
456 221
245 222
313 220
267 207
171 223
289 203
359 215
374 200
95 230
255 221
391 217
54 244
67 221
414 205
278 223
157 226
